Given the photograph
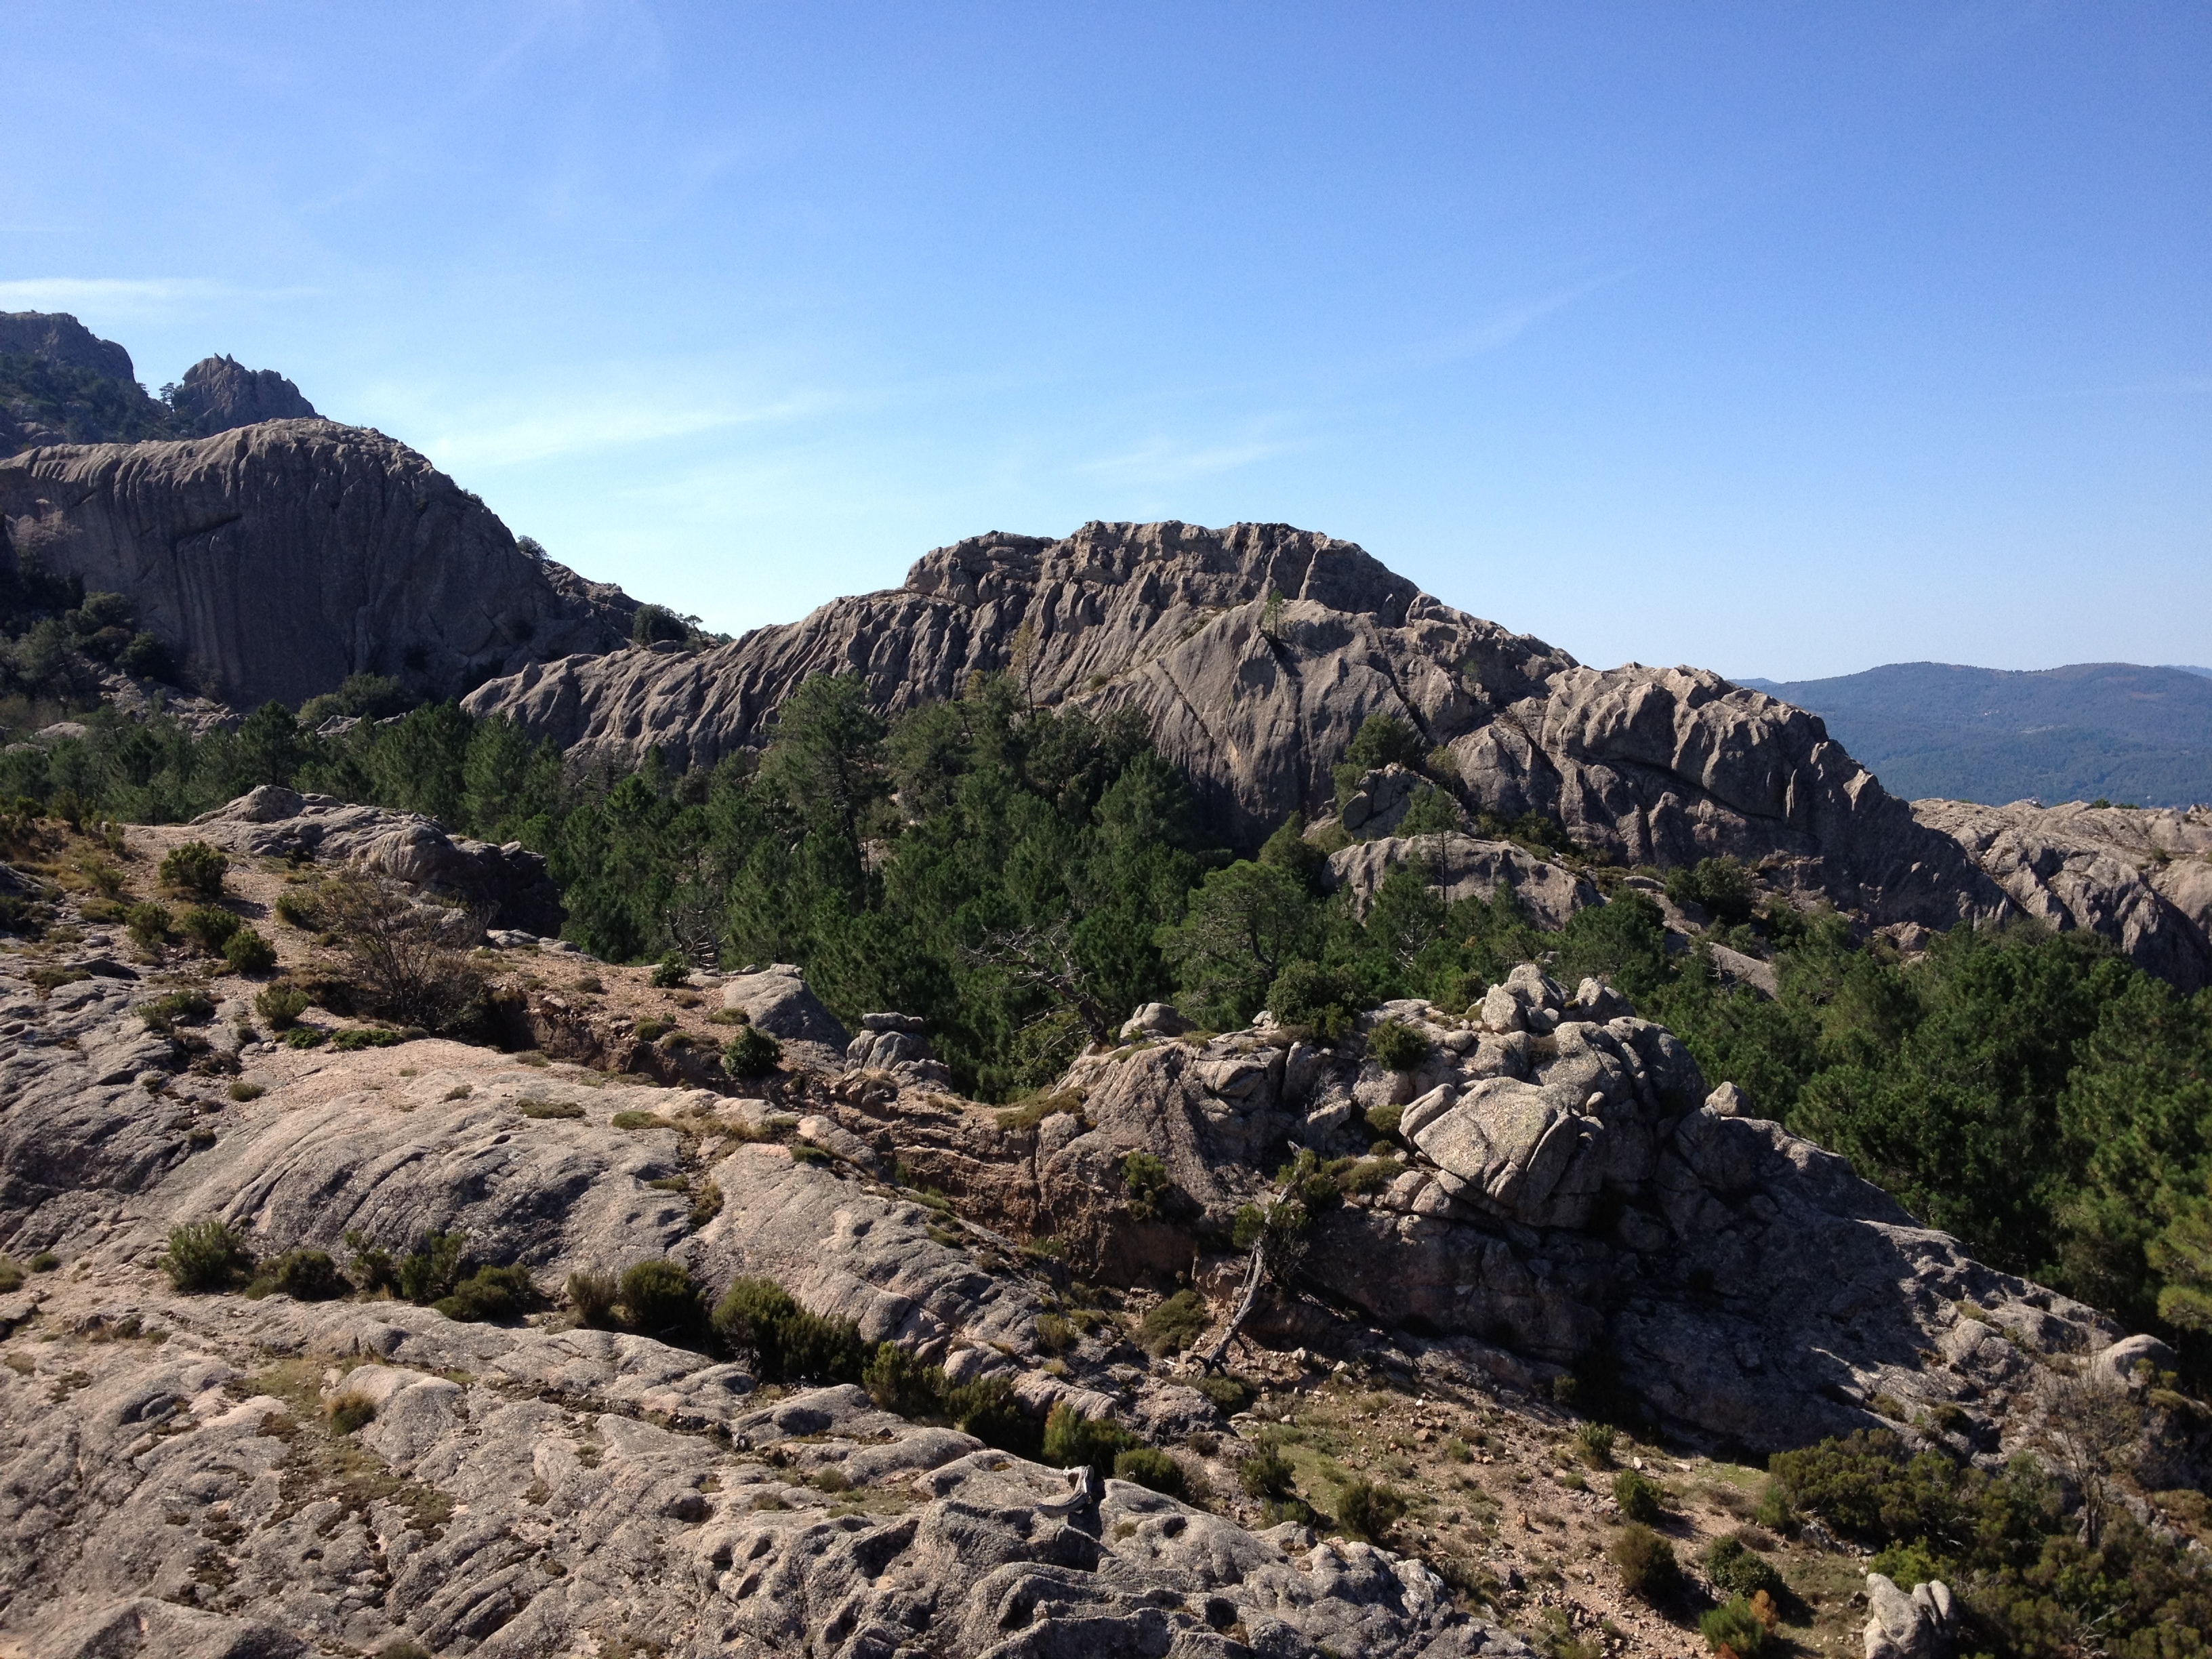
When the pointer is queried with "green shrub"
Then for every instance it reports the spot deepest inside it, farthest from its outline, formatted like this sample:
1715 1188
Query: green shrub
371 1269
1433 812
248 952
1145 1178
1870 1488
1383 1120
1734 1569
758 1318
207 927
428 1273
1149 1467
592 1296
1594 1443
988 1409
1645 1561
1071 1440
488 1294
1397 1046
670 971
357 1037
530 1106
1053 1333
1266 1474
300 908
1226 1393
175 1008
206 1255
45 1263
280 1006
1638 1496
1904 1563
309 1275
897 1382
751 1053
194 867
1367 1510
305 1036
349 1412
11 1276
659 1296
1319 998
637 1120
706 1204
1720 886
150 925
1735 1626
1175 1323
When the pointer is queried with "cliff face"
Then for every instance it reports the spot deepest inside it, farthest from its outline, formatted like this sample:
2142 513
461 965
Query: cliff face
278 558
220 393
1256 701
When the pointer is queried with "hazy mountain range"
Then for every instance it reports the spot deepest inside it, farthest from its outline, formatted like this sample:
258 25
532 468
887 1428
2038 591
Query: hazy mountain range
2120 732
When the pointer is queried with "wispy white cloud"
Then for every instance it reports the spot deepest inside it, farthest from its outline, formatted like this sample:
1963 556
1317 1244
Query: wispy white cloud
1509 324
548 432
130 297
1165 461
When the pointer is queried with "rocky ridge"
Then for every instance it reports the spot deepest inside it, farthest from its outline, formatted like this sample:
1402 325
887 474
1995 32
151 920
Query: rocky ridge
279 558
1554 1180
1256 697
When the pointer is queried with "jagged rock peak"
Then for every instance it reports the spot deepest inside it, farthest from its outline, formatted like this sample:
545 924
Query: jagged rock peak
219 394
55 336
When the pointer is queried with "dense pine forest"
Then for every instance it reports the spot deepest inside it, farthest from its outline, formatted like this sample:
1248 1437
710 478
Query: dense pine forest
1024 876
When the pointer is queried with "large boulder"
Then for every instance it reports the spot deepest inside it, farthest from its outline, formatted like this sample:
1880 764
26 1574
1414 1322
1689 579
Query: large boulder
277 559
777 1000
509 886
220 393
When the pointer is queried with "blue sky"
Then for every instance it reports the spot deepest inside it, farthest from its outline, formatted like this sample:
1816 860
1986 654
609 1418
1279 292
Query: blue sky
1784 339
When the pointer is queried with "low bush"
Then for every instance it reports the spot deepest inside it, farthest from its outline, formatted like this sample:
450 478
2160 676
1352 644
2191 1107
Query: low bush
11 1276
1383 1120
280 1006
305 1036
206 1255
1148 1466
530 1106
1367 1509
758 1318
1266 1474
428 1273
1175 1323
670 971
1072 1440
1639 1497
349 1412
1396 1046
300 907
209 927
988 1409
309 1275
1321 1000
150 925
1594 1443
1737 1625
1145 1178
45 1263
1054 1334
248 952
706 1204
489 1294
659 1297
752 1053
243 1092
1734 1569
364 1037
194 867
1227 1393
175 1008
1720 886
1646 1562
592 1296
634 1119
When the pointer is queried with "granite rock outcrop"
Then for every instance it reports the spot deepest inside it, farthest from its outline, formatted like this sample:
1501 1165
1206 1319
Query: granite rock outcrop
1255 653
220 393
279 558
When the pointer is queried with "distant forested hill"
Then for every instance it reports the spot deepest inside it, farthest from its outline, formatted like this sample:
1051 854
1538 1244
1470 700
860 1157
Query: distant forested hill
2119 731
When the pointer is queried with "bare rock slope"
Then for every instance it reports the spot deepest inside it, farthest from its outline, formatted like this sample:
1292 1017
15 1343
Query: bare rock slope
279 558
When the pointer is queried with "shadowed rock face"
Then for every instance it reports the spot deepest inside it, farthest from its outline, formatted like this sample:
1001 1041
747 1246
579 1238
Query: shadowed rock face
219 394
58 338
279 558
1256 703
